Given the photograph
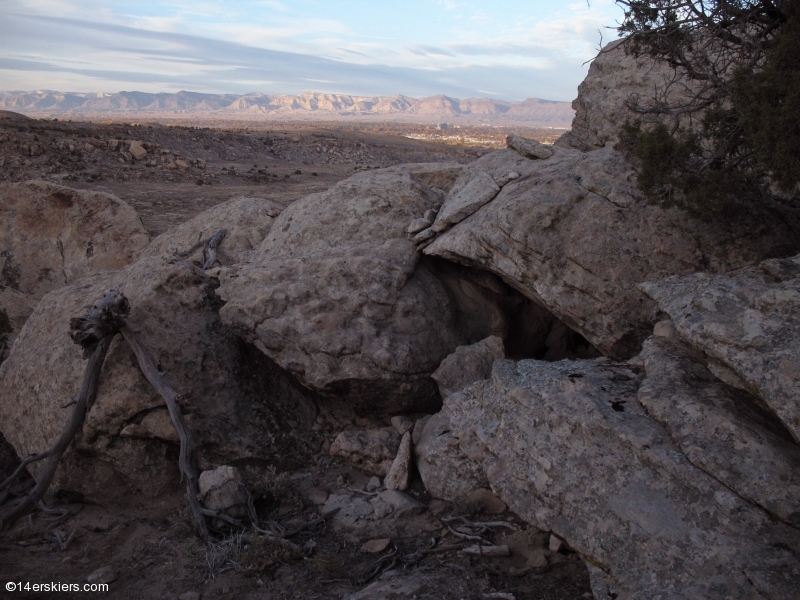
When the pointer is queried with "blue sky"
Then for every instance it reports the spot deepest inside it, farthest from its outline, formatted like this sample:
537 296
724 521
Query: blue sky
511 50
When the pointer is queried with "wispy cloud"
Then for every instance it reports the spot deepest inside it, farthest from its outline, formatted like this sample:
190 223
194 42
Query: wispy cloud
274 47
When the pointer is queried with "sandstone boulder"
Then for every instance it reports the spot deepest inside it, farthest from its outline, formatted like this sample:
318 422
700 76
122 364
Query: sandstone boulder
247 222
468 364
51 235
574 235
749 321
237 408
615 80
337 294
569 448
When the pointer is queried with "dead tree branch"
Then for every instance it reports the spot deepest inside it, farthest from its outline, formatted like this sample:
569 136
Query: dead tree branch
186 461
83 400
209 246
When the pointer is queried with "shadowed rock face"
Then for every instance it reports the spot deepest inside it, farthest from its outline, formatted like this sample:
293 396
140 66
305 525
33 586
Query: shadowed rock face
569 448
573 234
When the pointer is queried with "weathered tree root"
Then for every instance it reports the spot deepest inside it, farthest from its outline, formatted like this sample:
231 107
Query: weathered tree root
209 246
186 461
94 332
53 455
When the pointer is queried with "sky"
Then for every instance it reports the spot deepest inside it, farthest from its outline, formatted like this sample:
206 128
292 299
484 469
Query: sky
508 50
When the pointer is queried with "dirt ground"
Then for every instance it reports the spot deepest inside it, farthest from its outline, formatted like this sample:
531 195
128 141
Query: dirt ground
323 510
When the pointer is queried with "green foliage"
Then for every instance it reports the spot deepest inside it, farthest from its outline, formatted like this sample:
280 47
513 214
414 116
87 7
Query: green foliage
750 135
671 172
768 104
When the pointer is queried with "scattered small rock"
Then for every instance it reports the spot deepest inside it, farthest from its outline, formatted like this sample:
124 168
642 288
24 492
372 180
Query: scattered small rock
555 544
317 495
373 484
137 150
488 502
398 475
395 503
102 575
375 546
529 148
402 424
418 225
373 450
666 328
222 489
425 235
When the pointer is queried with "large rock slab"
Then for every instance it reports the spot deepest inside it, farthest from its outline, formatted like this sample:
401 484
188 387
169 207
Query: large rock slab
569 448
749 321
574 235
720 429
337 294
52 235
231 399
247 222
464 200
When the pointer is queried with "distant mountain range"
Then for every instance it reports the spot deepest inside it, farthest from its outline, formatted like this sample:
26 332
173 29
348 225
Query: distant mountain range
309 105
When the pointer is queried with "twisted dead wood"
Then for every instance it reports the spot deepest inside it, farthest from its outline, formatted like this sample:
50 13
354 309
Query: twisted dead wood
186 461
209 246
93 332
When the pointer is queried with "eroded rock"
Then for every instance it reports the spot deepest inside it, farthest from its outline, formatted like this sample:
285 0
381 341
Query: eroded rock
750 322
570 449
228 388
574 235
337 294
720 429
51 235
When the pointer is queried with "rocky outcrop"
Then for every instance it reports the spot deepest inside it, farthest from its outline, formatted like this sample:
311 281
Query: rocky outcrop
51 236
569 448
750 322
573 234
246 221
338 295
237 408
616 81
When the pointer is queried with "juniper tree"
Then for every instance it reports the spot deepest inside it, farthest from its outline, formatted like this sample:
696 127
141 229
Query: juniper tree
743 61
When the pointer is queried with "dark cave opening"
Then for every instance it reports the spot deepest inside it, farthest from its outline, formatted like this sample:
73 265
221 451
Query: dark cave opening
486 305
